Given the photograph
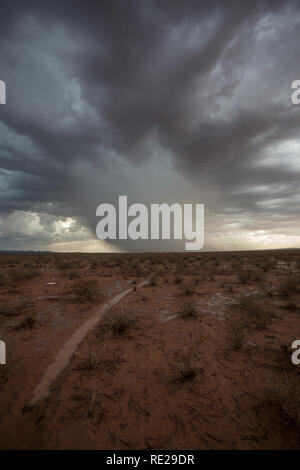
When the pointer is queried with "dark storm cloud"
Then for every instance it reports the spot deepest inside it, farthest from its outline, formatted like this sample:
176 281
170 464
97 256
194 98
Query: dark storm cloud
88 82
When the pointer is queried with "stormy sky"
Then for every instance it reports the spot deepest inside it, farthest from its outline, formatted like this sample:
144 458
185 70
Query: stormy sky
160 100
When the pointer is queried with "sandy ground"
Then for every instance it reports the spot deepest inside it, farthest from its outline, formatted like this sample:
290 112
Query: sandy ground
196 366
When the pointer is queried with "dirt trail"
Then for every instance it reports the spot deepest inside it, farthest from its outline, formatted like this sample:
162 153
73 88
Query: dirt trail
61 361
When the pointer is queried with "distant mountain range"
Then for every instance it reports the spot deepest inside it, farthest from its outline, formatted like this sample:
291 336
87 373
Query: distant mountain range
25 251
12 252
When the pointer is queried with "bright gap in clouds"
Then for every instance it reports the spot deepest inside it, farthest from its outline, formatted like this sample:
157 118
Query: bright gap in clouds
283 155
47 232
84 246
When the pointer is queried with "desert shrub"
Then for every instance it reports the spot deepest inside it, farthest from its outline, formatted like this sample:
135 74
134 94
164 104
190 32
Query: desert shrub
138 271
95 263
290 285
237 336
91 361
27 323
64 264
291 306
255 311
7 309
178 280
268 264
86 290
183 367
4 374
244 275
135 264
257 276
93 405
287 396
15 276
61 264
188 287
269 291
5 280
188 310
19 275
179 268
74 275
152 279
119 322
29 264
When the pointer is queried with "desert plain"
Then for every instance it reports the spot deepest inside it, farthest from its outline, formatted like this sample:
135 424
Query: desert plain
150 351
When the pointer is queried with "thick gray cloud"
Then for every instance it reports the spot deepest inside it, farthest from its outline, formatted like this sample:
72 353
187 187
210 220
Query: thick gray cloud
160 100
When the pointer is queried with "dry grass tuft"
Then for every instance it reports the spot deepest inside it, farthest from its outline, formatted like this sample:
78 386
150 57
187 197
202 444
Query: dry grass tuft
177 280
28 323
86 290
119 322
5 280
290 285
91 362
238 336
15 276
188 287
19 275
74 275
183 367
247 275
255 312
250 313
152 279
188 310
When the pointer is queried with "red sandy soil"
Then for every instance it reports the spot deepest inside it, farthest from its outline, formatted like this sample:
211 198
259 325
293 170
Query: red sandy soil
169 381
